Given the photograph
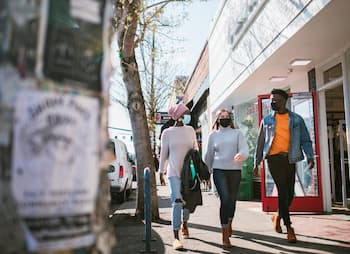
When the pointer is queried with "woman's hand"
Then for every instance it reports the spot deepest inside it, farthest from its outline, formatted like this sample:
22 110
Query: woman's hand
208 184
238 158
161 178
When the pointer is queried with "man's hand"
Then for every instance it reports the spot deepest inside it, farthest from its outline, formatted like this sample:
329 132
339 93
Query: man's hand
161 178
310 163
256 171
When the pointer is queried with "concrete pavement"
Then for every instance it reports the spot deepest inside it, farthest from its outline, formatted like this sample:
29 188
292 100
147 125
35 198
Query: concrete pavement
252 230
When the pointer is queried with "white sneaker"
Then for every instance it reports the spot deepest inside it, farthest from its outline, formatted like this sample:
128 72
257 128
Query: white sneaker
177 245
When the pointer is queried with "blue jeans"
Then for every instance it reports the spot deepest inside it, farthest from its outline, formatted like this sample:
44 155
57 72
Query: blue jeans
227 184
177 203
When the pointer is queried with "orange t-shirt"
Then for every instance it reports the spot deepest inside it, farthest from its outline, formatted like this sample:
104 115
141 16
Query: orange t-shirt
280 142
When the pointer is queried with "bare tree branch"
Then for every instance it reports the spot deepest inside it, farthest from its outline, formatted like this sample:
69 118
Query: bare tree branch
164 3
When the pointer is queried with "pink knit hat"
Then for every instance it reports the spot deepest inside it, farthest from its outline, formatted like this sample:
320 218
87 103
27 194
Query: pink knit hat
177 111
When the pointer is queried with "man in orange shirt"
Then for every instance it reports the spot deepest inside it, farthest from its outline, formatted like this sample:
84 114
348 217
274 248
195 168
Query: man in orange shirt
282 138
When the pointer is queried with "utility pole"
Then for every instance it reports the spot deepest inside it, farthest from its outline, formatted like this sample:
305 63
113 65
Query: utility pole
53 173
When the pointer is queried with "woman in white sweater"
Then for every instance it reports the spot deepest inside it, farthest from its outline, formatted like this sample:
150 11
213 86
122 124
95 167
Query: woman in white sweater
176 141
227 149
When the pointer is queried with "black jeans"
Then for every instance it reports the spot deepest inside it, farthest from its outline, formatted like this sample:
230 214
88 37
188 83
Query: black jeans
227 184
283 174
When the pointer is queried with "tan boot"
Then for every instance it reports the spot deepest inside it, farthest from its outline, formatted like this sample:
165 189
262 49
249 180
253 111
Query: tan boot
276 220
291 235
225 238
229 227
184 231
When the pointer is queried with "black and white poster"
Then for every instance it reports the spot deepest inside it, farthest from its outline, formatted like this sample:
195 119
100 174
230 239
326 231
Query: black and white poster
55 168
73 47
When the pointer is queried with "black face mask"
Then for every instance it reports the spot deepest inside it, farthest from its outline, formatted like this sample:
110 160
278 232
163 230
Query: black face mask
274 106
225 122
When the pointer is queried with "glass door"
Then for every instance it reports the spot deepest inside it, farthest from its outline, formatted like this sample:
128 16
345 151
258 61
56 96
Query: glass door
342 147
308 191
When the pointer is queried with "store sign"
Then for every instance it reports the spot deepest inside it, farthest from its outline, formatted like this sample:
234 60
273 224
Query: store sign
161 117
73 50
55 168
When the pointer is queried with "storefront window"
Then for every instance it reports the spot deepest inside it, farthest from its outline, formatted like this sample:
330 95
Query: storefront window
332 73
203 135
246 118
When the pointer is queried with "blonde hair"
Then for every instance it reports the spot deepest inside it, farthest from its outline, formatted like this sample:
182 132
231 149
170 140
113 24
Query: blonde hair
217 115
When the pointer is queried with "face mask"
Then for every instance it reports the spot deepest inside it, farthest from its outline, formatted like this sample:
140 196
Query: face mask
274 106
225 122
186 119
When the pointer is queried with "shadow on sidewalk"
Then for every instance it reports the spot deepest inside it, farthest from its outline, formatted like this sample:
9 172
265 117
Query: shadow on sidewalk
130 235
234 249
164 202
272 242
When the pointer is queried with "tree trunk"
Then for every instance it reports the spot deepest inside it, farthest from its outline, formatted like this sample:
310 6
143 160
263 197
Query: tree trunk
142 144
127 15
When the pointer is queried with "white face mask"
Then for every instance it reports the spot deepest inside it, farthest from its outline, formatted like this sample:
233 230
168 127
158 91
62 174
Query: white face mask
186 119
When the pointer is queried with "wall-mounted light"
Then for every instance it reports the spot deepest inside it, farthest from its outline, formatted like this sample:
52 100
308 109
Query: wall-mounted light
277 78
300 62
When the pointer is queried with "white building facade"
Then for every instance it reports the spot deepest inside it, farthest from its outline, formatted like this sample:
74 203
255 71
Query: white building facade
254 46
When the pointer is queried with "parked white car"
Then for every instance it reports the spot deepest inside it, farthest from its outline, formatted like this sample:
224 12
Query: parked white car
120 170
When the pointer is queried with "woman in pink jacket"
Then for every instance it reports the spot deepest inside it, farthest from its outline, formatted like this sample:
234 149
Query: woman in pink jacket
176 141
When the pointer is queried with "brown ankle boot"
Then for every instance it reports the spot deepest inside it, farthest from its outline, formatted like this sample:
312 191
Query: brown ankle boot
225 238
184 231
229 228
291 235
276 220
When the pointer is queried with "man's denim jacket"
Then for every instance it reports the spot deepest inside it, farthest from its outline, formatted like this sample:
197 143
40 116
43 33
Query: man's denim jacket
299 138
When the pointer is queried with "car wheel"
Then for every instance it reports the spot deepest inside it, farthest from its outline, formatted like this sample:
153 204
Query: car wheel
114 198
121 196
128 192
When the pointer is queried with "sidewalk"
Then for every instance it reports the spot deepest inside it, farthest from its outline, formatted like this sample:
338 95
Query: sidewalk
252 230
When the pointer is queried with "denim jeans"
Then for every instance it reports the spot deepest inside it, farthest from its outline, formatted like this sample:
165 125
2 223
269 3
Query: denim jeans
227 184
177 203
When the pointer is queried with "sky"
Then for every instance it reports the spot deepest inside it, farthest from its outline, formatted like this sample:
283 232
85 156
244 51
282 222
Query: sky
194 31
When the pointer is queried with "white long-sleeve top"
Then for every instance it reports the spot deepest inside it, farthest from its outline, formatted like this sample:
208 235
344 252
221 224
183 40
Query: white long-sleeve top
223 145
175 143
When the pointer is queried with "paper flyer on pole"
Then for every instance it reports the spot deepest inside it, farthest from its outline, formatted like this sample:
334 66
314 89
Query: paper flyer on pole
55 168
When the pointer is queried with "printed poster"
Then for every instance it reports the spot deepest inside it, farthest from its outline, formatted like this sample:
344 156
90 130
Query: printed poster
55 168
